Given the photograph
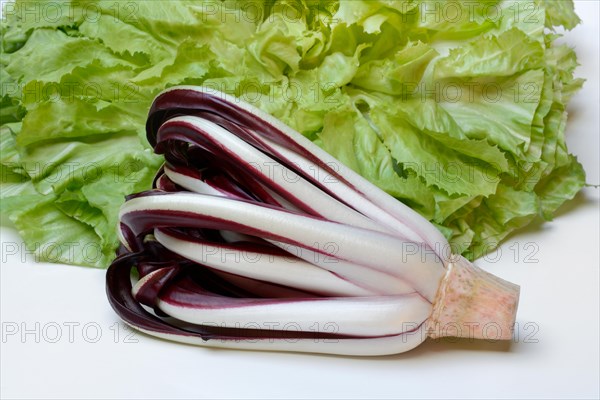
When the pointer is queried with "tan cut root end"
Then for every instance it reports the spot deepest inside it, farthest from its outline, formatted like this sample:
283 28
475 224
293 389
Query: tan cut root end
472 303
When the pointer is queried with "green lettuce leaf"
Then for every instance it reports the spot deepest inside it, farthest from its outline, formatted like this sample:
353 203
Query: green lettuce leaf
458 109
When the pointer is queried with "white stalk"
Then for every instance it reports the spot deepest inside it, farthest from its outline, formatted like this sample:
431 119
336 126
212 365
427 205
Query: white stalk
379 316
280 178
192 184
288 271
377 346
373 280
355 199
372 249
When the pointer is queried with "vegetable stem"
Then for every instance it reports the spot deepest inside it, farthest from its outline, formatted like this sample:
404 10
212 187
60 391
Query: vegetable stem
473 303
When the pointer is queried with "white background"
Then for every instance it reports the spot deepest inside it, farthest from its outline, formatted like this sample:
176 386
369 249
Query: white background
555 352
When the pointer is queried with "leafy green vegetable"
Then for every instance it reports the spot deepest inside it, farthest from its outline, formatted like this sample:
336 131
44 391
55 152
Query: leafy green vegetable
456 108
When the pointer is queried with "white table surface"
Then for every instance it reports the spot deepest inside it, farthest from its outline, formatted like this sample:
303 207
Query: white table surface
61 339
